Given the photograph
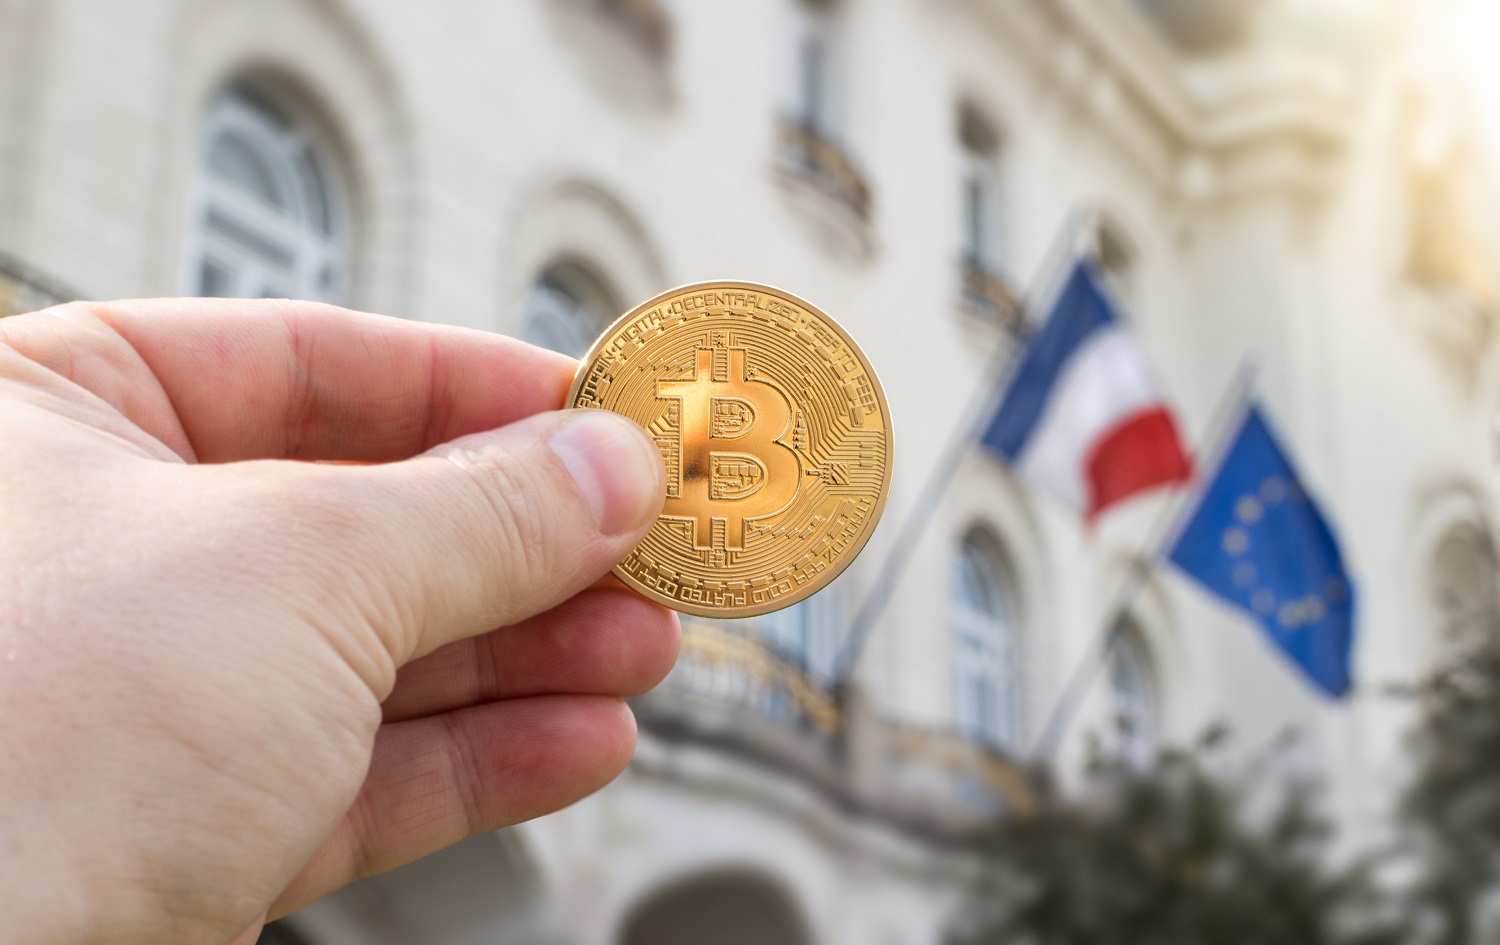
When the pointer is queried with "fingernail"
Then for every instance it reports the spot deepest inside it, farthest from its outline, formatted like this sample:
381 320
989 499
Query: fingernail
617 468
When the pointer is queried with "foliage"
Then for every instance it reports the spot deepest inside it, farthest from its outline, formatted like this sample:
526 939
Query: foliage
1168 855
1450 813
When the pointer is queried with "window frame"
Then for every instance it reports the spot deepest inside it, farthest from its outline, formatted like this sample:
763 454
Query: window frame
983 242
584 291
1134 729
815 98
225 221
988 642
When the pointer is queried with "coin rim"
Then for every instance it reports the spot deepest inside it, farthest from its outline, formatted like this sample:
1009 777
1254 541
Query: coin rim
796 597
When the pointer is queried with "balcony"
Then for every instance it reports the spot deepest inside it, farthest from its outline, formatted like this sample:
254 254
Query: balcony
811 156
730 692
988 296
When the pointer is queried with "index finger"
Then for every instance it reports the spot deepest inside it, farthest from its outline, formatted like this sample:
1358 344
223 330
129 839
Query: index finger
275 379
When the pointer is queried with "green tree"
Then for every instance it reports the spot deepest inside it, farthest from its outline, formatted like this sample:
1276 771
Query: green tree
1169 855
1450 812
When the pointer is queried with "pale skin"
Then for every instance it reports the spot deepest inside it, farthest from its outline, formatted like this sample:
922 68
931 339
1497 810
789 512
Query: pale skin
234 679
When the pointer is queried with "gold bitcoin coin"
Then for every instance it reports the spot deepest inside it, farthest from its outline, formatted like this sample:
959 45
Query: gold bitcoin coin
776 437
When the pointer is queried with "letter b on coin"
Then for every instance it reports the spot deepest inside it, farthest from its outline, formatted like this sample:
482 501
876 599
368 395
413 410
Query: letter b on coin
733 466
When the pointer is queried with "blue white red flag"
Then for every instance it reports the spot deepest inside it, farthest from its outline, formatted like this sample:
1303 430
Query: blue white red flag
1082 418
1257 541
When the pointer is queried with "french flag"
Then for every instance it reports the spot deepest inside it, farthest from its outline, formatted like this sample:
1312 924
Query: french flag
1082 418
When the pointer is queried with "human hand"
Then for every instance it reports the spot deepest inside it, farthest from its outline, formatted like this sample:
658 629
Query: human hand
232 681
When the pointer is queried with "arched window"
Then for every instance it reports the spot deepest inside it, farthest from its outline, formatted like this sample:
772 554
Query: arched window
1464 582
1134 706
270 217
986 640
567 309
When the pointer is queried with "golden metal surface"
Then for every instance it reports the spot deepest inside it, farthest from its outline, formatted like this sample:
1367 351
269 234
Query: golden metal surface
776 436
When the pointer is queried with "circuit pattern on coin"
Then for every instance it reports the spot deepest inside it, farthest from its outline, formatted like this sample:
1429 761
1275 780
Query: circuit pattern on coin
776 437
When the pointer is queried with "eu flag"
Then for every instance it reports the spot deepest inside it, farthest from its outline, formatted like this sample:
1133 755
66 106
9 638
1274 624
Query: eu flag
1259 542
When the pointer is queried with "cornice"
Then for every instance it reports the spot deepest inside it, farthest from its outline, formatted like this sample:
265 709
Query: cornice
1206 130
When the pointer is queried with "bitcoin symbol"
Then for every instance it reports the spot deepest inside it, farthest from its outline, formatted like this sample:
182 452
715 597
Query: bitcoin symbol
754 476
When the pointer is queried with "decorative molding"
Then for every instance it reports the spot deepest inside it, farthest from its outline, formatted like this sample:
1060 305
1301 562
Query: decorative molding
318 52
568 217
930 780
1202 131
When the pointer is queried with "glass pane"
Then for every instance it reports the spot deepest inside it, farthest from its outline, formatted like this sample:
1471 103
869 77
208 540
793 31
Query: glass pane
814 63
554 321
233 159
974 219
315 194
1133 693
215 279
984 644
257 154
786 630
566 310
979 583
969 702
248 238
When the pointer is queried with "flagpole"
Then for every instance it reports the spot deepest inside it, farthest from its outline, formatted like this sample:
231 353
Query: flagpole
1163 534
994 379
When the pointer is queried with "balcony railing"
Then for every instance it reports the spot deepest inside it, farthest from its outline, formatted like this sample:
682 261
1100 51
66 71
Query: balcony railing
810 154
733 691
989 295
953 769
24 289
736 668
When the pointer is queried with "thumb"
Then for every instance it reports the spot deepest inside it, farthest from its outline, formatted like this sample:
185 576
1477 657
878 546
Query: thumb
489 529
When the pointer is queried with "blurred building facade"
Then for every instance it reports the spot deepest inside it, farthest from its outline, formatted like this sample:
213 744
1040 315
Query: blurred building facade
1285 181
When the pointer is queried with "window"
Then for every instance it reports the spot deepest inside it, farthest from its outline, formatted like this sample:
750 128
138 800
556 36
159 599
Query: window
804 634
813 93
980 190
1132 692
1464 583
269 217
985 290
567 309
810 145
986 644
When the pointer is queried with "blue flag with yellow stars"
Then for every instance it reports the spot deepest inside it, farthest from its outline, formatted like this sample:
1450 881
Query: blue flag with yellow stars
1259 542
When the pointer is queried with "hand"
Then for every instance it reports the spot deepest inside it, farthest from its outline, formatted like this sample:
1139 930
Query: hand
232 680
